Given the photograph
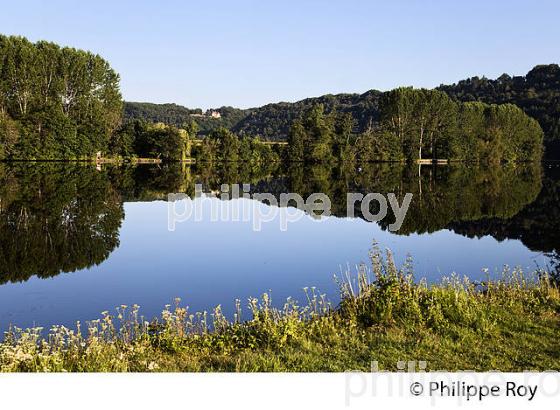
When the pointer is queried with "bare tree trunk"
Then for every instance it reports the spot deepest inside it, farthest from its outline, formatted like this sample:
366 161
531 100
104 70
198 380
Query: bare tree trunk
432 145
421 138
419 179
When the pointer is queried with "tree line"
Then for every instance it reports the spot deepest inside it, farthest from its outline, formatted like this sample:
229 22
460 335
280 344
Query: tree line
63 103
537 93
225 146
419 124
55 102
169 143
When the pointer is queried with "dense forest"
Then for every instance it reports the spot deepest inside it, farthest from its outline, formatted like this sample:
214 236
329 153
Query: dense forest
169 143
411 124
55 102
147 140
171 114
419 124
537 93
225 146
273 121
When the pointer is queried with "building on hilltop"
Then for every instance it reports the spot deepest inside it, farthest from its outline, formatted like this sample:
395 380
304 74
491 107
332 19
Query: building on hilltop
213 114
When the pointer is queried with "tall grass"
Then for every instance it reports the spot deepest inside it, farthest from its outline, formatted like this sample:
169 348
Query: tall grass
388 296
383 314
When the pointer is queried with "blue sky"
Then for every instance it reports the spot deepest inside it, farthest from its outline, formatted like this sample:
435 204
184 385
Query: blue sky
249 53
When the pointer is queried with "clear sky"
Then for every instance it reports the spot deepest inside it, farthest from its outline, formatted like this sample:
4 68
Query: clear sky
249 53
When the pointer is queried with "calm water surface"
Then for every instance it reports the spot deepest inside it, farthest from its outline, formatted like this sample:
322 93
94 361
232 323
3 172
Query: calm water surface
77 240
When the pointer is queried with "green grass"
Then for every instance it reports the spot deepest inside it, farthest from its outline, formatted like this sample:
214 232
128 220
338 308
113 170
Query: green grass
509 324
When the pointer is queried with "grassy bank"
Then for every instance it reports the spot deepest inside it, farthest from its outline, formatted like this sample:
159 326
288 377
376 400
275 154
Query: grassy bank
510 324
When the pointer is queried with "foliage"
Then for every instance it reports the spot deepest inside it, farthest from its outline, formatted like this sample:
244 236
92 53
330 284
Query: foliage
273 121
419 124
161 141
320 137
224 146
421 120
55 102
537 94
430 125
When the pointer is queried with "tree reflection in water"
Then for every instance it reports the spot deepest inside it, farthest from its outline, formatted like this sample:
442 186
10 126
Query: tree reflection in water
57 217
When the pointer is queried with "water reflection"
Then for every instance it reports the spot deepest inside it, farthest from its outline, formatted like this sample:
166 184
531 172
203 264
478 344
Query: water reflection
55 218
61 218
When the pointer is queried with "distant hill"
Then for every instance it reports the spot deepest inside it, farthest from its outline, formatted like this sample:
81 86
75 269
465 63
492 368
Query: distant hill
171 114
537 93
177 115
273 121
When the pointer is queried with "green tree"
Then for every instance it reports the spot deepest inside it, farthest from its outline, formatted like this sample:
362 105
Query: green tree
245 149
296 142
160 141
228 144
65 101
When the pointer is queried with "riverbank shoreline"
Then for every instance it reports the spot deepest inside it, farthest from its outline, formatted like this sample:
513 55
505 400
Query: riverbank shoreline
509 324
